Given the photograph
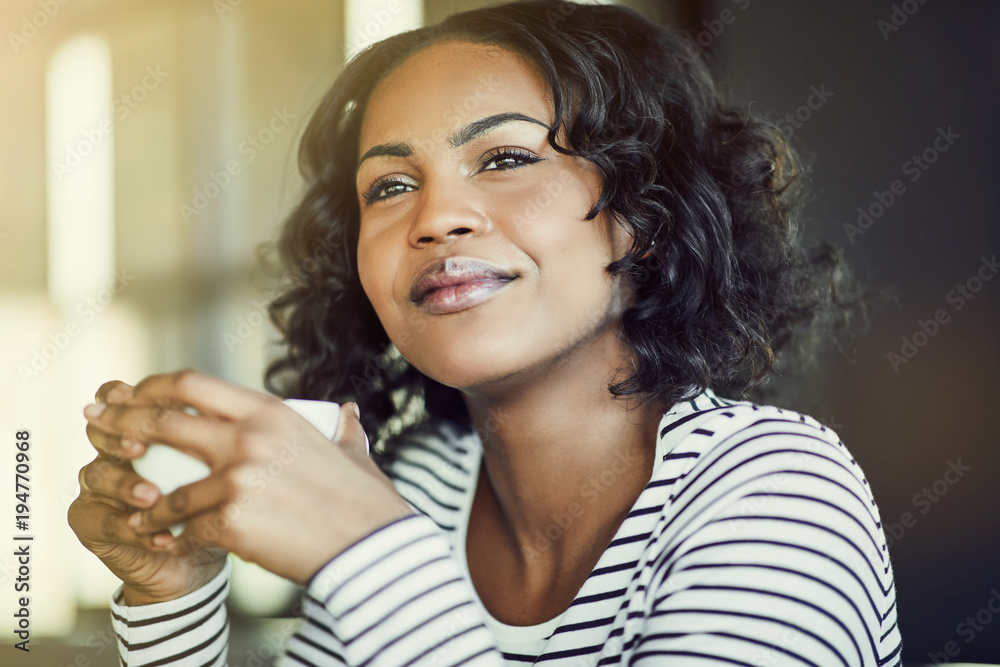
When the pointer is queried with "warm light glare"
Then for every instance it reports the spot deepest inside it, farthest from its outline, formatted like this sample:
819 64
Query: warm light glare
80 170
370 21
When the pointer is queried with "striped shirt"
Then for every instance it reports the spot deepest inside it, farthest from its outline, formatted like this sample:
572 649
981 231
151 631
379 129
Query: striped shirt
757 541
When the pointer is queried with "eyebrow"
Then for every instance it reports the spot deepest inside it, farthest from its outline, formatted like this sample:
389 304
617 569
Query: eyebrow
473 130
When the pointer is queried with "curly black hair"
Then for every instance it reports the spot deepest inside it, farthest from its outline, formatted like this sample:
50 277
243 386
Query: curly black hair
710 190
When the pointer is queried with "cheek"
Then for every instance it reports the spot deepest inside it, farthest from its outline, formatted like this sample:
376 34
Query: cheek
375 277
549 194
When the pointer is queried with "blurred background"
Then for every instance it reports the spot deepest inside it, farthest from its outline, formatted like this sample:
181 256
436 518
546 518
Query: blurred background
147 149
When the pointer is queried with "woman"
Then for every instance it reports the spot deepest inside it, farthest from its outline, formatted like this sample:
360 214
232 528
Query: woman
561 263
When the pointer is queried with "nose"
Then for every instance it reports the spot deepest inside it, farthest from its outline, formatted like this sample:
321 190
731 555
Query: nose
446 211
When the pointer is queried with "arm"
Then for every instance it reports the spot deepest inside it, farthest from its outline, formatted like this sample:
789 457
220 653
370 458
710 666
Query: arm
328 506
190 630
156 585
282 521
394 597
780 558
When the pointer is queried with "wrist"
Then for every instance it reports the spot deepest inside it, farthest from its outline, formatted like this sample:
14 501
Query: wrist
137 596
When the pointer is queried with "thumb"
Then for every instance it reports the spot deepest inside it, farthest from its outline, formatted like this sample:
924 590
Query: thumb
350 431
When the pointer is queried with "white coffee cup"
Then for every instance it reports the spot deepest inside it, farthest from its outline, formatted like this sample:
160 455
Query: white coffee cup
169 468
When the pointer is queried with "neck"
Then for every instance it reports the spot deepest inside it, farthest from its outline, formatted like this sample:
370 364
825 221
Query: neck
563 461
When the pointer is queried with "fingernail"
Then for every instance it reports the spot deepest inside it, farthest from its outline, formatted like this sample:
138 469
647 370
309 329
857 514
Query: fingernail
128 442
162 539
143 491
94 410
135 519
357 410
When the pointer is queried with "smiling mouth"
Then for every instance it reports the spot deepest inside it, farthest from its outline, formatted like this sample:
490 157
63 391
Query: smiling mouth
461 296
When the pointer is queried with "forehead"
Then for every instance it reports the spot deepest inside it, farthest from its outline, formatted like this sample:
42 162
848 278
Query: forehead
448 84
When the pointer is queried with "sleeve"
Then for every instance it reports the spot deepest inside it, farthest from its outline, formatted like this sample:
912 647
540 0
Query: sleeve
778 558
395 597
191 630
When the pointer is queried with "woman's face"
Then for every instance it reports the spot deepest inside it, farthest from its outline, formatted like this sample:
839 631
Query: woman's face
489 214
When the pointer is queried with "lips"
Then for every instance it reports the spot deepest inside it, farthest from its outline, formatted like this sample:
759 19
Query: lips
450 284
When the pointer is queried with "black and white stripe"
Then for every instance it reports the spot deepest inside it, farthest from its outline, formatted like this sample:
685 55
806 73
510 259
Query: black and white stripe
192 630
756 542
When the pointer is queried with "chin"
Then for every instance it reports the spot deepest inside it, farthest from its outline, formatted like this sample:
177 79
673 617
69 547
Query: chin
467 366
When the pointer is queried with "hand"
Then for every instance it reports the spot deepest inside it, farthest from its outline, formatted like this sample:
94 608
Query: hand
110 492
279 493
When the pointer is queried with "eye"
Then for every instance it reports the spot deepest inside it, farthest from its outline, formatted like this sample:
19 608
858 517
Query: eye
512 158
386 185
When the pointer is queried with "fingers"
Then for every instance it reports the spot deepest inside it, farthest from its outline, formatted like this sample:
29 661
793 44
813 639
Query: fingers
96 523
123 430
209 395
193 499
113 446
114 391
104 478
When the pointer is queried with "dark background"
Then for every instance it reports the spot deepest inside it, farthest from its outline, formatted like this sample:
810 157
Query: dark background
891 94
